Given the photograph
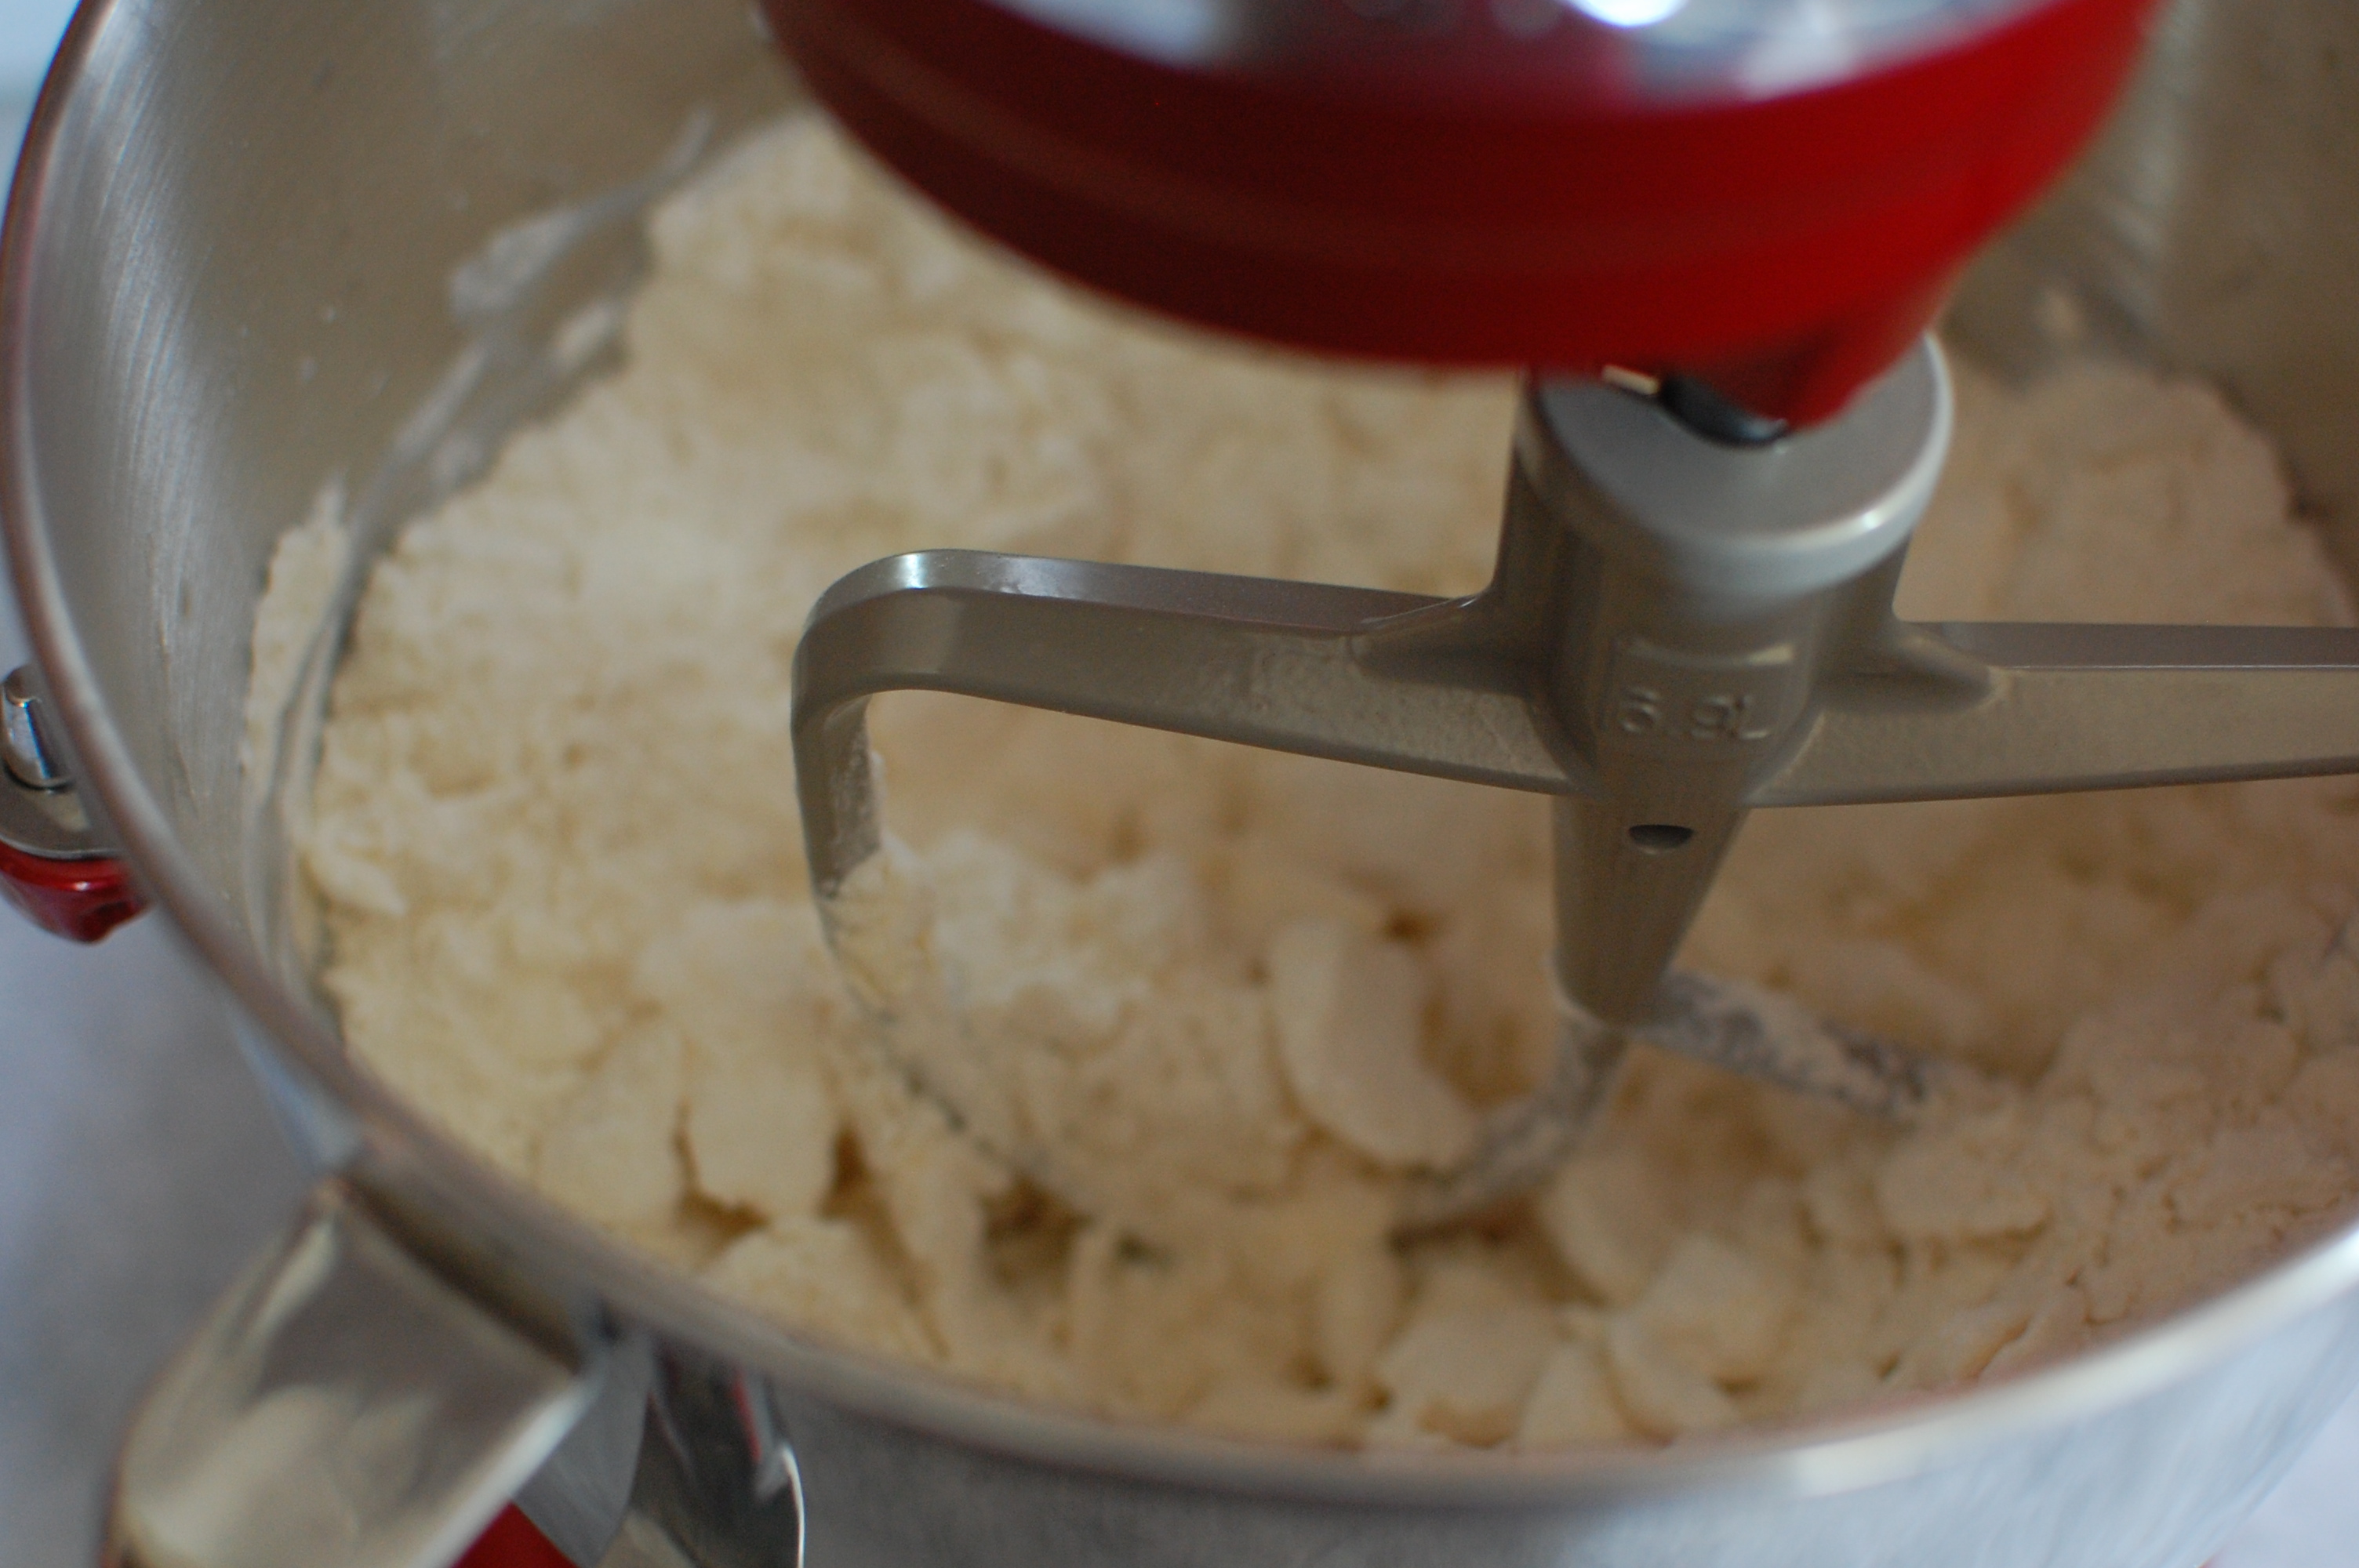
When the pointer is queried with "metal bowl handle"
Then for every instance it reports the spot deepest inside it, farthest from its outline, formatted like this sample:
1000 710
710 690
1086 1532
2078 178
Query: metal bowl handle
346 1402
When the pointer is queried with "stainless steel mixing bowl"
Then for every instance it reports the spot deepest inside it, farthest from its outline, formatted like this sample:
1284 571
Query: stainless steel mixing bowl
253 248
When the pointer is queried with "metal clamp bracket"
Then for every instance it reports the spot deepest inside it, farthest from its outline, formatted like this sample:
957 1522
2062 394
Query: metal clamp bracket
56 866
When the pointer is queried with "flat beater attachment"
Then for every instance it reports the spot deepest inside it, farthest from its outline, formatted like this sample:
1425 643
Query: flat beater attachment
1682 626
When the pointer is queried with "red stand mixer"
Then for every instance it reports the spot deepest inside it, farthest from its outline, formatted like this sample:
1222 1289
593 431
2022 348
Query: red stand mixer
1715 232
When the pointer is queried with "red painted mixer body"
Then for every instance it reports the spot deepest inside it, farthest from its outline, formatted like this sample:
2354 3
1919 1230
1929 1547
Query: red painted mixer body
1465 192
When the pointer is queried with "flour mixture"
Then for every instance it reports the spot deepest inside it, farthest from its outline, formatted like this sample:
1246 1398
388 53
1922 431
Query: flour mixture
554 837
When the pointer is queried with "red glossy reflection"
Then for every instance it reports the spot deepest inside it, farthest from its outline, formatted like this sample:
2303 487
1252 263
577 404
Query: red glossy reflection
1468 197
512 1542
80 900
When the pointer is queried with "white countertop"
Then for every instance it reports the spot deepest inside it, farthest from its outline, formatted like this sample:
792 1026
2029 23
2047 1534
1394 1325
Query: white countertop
138 1165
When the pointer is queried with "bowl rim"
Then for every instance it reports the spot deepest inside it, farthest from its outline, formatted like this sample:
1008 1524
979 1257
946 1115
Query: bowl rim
391 1143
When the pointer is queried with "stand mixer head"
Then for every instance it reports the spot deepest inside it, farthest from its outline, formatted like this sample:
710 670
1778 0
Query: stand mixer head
1720 229
1770 195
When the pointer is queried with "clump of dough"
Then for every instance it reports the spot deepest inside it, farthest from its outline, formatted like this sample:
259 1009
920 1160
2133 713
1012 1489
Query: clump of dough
1241 996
